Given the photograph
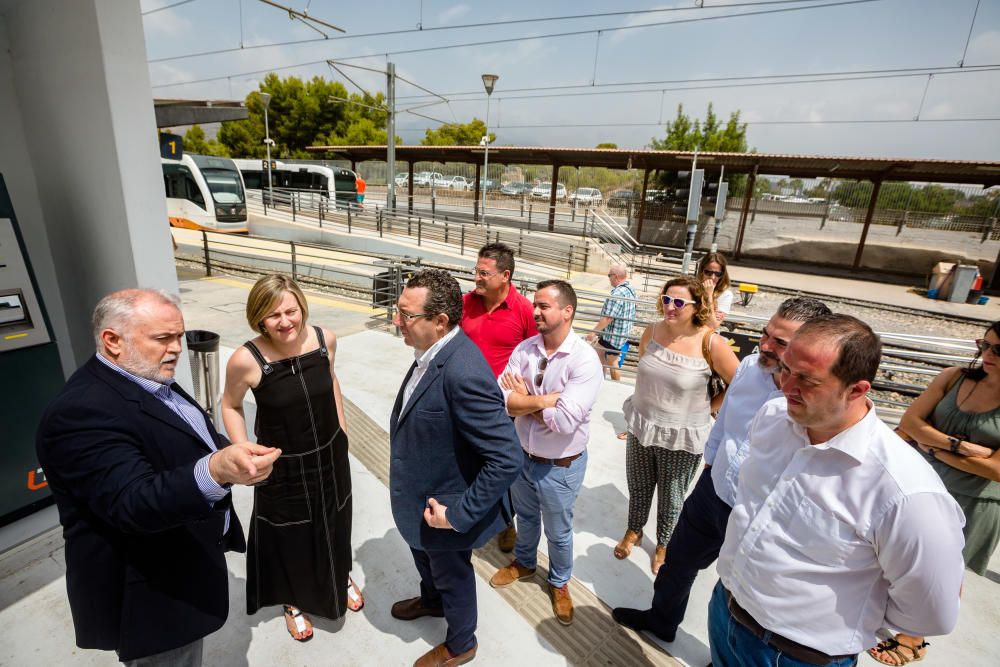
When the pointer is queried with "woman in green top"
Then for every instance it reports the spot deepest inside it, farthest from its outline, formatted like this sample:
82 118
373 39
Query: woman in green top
956 422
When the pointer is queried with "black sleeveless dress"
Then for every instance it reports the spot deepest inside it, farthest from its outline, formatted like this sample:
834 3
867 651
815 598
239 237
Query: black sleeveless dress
299 550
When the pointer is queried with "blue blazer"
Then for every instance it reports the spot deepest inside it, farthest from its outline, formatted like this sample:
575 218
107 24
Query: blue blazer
455 443
145 564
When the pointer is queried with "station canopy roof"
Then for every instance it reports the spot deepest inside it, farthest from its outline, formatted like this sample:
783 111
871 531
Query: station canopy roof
172 113
802 166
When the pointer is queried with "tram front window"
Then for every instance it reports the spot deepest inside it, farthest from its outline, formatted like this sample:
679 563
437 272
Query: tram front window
225 186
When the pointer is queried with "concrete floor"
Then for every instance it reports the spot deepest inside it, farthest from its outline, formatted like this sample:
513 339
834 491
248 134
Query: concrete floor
35 625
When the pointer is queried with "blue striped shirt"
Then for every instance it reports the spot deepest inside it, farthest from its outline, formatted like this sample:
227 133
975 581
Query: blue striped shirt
194 417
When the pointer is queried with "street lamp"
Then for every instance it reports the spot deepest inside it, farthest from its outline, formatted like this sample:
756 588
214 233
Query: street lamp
489 80
265 100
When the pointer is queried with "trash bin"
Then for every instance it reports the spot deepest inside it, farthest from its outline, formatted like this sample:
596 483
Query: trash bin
203 354
956 287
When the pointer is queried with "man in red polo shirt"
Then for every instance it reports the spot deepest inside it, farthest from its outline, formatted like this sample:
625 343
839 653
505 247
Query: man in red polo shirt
497 318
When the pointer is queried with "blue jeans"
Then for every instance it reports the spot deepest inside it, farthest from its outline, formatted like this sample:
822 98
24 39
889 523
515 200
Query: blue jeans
735 646
544 492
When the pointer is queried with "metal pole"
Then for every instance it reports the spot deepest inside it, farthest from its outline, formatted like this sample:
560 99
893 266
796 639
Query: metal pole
868 222
208 262
486 156
267 144
718 220
390 139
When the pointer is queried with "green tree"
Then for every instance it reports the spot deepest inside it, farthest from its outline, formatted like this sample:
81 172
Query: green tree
305 113
685 134
606 145
195 142
457 134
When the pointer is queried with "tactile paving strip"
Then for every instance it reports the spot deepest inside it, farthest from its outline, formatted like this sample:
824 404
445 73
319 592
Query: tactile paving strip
593 639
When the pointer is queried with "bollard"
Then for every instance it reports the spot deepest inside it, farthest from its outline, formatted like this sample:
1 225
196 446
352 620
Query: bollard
569 262
531 207
208 262
348 218
446 230
522 204
321 207
420 229
520 242
203 354
292 202
292 244
462 245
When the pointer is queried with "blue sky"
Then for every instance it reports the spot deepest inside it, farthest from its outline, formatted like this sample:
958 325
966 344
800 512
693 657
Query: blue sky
654 65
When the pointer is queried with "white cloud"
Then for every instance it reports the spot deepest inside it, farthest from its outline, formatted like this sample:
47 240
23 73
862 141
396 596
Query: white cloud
168 23
452 13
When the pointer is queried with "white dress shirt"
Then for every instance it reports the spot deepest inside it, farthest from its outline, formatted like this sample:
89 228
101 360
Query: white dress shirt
424 359
828 543
575 372
729 440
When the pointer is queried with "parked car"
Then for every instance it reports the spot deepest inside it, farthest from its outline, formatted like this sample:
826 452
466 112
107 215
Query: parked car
544 191
441 181
489 185
403 179
516 189
459 183
586 196
622 198
428 178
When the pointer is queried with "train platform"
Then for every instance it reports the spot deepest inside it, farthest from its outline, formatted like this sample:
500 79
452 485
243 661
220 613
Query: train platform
515 625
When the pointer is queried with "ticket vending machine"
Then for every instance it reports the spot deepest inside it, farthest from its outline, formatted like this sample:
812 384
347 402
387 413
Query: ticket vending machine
30 372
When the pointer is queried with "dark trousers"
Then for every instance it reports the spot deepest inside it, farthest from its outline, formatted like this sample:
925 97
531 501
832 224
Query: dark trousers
694 545
447 581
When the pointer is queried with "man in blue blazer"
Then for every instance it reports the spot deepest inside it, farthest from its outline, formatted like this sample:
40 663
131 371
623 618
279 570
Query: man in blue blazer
142 482
454 454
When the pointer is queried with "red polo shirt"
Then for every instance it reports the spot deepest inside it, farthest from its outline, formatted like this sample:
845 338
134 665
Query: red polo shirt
498 333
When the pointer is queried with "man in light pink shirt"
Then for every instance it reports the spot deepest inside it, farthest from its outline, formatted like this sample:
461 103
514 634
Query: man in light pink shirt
550 386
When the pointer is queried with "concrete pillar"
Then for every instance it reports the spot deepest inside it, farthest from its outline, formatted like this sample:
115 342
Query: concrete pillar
82 94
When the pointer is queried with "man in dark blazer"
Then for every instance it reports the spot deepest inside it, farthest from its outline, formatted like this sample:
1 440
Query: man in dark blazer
142 482
454 454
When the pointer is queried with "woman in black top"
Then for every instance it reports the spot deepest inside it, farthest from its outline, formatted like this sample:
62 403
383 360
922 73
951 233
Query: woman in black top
299 548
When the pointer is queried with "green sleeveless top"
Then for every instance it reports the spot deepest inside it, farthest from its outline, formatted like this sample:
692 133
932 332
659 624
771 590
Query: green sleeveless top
982 428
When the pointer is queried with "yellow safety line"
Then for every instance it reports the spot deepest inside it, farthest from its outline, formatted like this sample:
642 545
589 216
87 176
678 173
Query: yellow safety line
345 305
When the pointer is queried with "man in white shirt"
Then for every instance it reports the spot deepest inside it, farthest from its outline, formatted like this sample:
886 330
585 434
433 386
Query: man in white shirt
701 528
550 385
839 528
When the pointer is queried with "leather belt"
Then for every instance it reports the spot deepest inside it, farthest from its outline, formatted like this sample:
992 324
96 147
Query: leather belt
562 463
776 641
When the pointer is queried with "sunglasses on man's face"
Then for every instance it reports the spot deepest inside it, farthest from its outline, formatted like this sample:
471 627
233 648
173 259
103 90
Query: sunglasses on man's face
709 272
677 302
983 345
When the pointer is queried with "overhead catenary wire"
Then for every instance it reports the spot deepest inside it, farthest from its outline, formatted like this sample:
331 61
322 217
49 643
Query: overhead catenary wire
509 40
465 26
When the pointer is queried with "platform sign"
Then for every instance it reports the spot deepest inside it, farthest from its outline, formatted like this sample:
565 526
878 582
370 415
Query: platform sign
171 146
741 343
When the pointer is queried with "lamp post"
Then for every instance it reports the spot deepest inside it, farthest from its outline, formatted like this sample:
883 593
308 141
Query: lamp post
265 100
489 80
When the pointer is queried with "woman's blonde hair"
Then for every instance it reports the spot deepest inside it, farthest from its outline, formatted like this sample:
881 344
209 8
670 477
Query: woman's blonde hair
717 257
265 295
697 291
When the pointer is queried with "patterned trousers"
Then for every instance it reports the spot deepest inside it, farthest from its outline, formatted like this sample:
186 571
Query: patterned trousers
647 468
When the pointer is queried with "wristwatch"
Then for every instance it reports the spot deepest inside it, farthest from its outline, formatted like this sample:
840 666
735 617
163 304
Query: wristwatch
954 442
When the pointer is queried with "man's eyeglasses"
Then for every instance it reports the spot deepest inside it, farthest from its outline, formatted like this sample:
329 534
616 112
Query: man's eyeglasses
542 365
982 345
409 317
483 273
677 302
709 272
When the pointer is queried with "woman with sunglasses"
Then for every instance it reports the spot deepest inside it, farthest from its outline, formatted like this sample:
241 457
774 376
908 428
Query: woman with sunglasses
669 415
956 423
713 272
299 548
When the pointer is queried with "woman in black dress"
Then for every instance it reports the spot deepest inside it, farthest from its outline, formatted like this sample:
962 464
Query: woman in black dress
299 549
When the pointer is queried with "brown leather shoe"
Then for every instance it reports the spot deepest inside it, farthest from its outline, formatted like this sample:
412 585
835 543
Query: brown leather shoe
658 558
624 548
514 572
440 656
507 538
408 610
562 603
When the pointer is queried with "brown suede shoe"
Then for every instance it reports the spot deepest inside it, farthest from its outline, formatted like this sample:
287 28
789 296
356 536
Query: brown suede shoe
562 603
507 538
514 572
440 656
408 610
